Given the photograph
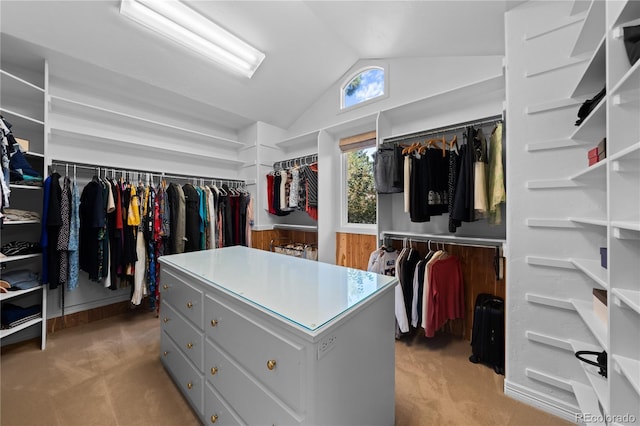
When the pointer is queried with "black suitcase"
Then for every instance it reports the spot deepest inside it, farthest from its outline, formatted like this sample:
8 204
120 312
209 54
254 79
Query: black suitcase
487 338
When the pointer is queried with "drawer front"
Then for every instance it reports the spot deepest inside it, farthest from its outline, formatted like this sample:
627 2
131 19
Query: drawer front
255 348
216 411
189 339
186 378
250 401
185 298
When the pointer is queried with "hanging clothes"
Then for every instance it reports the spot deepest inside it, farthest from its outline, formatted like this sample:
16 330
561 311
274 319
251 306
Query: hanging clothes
192 218
496 190
74 237
480 175
445 299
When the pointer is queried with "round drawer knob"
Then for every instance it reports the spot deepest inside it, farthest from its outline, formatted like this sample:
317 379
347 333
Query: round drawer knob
214 323
214 418
189 305
166 320
165 287
271 364
165 353
189 385
189 345
214 370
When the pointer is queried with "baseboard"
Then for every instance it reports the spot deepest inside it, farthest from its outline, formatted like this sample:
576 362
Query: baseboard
75 319
543 402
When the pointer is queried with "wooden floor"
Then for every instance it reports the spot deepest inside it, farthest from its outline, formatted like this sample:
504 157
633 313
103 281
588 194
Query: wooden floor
108 373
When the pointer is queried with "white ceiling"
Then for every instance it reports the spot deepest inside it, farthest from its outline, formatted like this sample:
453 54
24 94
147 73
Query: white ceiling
309 45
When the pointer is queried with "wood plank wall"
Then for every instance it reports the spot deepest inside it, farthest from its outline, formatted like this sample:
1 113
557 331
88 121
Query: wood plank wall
262 239
353 250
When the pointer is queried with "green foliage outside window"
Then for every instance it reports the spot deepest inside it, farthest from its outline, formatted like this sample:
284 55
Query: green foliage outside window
361 193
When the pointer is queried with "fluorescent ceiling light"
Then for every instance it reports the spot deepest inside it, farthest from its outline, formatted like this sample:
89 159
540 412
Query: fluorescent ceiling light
180 23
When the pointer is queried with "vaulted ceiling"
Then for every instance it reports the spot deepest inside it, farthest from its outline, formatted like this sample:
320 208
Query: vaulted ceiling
309 45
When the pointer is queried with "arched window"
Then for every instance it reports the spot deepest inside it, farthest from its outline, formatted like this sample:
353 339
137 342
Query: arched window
365 85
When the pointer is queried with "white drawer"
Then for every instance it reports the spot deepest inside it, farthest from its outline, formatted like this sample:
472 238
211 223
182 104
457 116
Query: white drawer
188 338
253 347
184 297
188 380
216 411
250 401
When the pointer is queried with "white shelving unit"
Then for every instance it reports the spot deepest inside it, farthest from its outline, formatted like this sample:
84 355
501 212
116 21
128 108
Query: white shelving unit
580 208
23 101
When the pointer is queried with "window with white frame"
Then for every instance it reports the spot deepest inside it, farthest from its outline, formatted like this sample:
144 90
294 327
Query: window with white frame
359 194
365 85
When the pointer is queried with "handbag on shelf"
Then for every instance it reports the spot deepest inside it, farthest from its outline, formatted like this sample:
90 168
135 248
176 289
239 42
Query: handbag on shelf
588 106
631 36
600 362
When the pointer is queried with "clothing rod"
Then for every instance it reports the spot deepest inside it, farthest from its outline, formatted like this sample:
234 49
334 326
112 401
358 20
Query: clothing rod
303 160
442 239
94 167
445 129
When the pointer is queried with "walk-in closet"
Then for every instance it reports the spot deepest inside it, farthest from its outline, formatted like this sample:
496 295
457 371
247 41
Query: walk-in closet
320 213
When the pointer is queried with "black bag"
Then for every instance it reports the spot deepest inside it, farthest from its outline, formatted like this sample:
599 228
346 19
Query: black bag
588 106
600 362
487 338
631 37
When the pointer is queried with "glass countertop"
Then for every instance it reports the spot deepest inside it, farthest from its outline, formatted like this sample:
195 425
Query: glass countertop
305 292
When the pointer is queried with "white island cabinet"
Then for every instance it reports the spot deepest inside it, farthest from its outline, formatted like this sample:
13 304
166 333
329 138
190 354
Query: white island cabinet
259 338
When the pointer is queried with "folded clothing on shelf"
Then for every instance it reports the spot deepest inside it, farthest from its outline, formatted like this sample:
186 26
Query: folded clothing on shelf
13 315
14 215
21 279
17 248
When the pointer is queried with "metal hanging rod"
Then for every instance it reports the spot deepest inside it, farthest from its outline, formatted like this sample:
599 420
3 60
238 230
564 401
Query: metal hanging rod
453 240
139 173
446 129
298 161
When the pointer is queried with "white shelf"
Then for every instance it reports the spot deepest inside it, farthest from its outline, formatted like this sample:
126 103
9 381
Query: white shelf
593 128
597 327
630 153
305 141
553 105
599 384
22 97
16 258
630 368
570 20
543 69
306 228
587 400
552 184
627 225
593 269
592 29
93 112
16 293
19 222
19 115
629 12
100 138
580 6
595 171
594 77
631 298
590 221
628 82
19 186
9 331
553 144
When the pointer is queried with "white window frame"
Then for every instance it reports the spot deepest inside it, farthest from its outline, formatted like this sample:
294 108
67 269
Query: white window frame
354 228
373 65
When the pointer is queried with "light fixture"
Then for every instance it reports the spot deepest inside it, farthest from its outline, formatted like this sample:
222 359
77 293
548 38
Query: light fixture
183 25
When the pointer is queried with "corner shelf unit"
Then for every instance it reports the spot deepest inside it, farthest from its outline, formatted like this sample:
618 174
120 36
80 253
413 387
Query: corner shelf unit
585 209
23 106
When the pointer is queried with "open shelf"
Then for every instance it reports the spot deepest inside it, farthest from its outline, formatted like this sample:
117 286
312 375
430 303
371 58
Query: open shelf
16 293
100 138
20 186
22 97
631 298
9 331
593 270
630 368
590 221
306 228
594 77
629 12
497 242
19 222
305 141
19 257
599 330
592 29
93 112
628 82
593 128
595 171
